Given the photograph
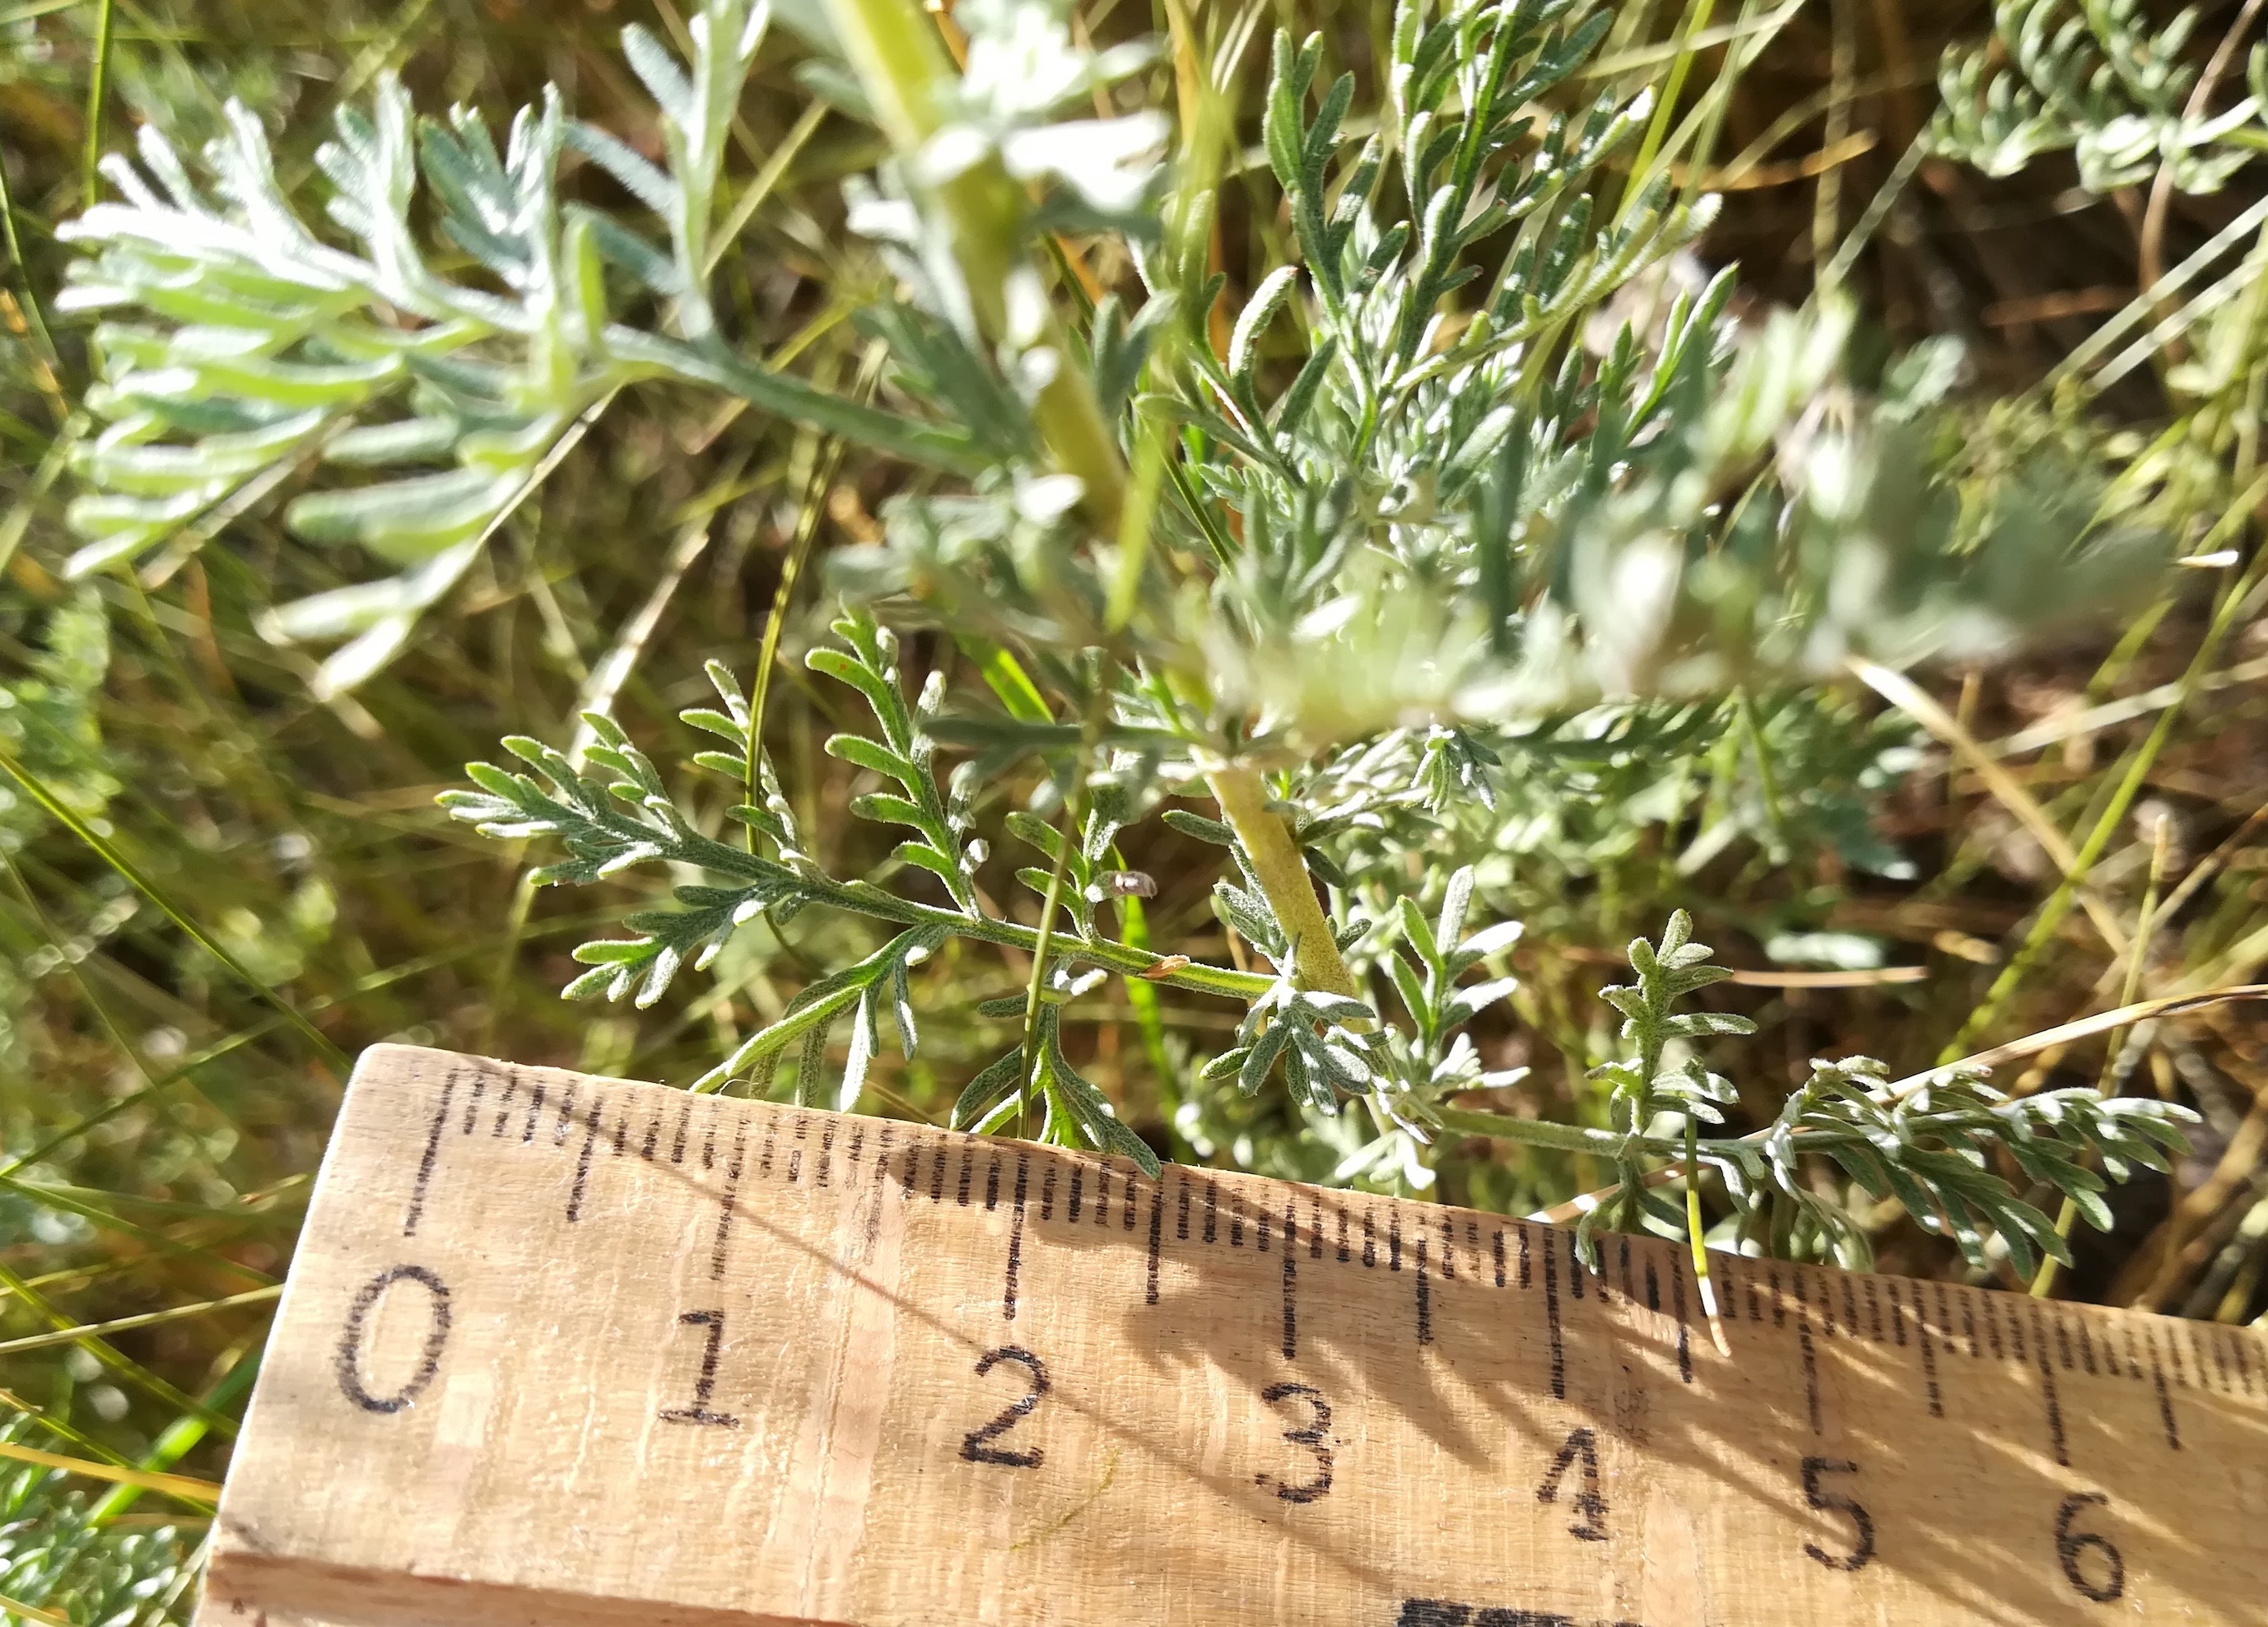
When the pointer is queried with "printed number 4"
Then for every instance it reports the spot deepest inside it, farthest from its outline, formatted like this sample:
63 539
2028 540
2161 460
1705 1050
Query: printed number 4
1591 1508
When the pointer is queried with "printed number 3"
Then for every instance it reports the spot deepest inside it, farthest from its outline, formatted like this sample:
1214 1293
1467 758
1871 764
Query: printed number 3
1314 1435
973 1447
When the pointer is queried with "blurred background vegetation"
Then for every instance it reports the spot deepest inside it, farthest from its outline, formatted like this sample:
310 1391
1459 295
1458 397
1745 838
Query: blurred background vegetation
218 883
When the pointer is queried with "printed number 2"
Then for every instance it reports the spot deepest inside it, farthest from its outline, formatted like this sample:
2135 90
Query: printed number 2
973 1447
1862 1522
1314 1435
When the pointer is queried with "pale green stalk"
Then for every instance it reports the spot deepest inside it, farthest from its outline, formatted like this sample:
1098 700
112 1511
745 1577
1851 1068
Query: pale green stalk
2144 928
1036 989
901 62
2235 598
1283 875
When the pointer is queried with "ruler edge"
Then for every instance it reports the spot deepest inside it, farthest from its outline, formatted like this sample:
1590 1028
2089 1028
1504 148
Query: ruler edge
311 1589
389 1063
375 1057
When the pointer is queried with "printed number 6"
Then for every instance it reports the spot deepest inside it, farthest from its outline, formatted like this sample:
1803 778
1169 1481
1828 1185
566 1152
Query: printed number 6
2070 1544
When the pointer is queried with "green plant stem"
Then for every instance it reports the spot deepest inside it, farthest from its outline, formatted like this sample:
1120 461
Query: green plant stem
864 898
62 1428
64 816
1679 1152
1696 1239
1134 924
181 1436
2233 598
2144 925
34 317
124 1324
1827 198
1283 875
903 64
1558 1136
97 94
653 355
1036 991
1767 782
821 475
1695 20
132 1372
900 60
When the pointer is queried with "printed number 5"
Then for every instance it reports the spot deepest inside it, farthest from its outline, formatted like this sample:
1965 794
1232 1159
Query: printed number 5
1862 1522
1314 1435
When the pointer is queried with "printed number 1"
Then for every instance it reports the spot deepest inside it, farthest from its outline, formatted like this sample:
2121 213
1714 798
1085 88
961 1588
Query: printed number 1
705 1383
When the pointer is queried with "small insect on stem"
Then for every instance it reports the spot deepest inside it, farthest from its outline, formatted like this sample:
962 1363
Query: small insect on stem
1164 967
1127 884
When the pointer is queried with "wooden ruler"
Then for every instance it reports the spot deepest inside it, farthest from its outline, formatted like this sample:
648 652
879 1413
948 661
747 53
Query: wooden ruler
568 1352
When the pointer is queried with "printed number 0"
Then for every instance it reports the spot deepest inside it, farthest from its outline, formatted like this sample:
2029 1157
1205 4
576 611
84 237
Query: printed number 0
1314 1435
973 1447
1861 1521
2070 1544
347 1363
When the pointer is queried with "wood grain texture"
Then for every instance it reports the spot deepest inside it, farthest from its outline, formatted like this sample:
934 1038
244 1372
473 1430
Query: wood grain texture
578 1353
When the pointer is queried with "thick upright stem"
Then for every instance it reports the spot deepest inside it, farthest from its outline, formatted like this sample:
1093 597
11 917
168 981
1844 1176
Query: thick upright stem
901 62
1282 876
899 58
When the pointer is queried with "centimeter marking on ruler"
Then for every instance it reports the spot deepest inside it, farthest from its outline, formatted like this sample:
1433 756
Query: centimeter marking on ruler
721 1349
583 1119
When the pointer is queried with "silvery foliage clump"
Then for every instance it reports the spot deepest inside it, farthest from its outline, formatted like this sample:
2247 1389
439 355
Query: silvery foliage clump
1015 101
1460 448
61 1548
1929 1141
51 725
1570 794
241 342
1404 464
613 812
2094 77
